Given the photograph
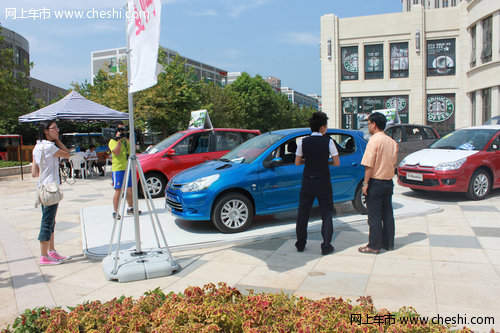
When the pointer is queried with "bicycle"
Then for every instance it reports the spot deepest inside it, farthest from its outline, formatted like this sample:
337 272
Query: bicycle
65 173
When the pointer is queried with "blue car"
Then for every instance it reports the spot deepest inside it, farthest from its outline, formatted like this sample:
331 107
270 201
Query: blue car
260 177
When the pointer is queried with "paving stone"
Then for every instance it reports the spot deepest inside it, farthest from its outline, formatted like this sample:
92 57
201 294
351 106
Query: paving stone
470 242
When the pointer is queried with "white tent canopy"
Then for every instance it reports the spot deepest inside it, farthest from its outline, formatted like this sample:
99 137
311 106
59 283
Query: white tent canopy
74 107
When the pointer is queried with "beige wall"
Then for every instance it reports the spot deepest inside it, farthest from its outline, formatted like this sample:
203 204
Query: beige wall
443 23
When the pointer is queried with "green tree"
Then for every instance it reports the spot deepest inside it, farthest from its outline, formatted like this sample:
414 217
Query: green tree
16 97
223 105
261 107
166 107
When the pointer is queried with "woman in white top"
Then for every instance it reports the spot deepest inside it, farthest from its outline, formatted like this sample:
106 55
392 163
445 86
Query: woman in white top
52 148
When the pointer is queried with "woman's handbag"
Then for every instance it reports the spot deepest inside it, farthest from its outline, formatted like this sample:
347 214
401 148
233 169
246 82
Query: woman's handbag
48 194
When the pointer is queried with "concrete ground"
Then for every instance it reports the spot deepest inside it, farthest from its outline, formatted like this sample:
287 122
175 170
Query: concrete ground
446 261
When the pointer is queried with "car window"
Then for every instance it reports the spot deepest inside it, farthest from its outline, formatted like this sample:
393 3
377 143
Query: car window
227 140
286 151
194 144
345 143
413 133
429 132
248 135
495 145
165 143
466 139
248 151
396 133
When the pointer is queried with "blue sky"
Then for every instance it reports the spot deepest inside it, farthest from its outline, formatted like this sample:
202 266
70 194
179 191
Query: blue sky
266 37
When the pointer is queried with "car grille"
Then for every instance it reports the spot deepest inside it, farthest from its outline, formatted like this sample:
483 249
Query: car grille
426 182
413 170
173 202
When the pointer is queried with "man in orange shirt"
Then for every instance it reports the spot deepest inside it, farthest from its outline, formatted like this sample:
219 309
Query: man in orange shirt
380 161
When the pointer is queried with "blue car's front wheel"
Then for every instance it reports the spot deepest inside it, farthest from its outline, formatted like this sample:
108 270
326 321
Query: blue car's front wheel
232 213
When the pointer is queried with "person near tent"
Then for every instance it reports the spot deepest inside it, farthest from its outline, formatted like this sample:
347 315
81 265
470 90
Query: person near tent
46 153
120 151
94 163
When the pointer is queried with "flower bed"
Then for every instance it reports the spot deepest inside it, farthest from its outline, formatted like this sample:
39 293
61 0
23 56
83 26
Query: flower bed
220 308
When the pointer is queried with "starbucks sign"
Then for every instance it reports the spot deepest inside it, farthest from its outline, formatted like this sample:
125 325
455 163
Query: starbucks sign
439 108
393 101
351 63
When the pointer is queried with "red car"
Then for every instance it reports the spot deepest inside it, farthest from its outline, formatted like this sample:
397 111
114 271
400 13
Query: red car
466 160
186 149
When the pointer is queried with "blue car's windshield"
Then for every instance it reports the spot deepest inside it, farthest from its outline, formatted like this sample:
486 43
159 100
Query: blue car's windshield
468 139
248 151
165 143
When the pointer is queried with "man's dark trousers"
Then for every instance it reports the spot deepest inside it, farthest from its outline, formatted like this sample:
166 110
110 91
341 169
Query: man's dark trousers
380 214
312 188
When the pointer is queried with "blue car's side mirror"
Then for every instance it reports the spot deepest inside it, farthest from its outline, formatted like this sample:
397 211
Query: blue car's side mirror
275 162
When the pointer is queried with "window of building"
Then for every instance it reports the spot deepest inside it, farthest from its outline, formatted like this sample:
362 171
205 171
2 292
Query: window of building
473 108
473 46
487 39
436 3
399 60
453 3
374 61
486 96
445 3
441 57
415 2
349 63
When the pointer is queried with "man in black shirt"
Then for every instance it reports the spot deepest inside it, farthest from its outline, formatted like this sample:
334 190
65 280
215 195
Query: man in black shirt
315 151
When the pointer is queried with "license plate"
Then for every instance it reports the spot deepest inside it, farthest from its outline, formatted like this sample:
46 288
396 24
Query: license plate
415 176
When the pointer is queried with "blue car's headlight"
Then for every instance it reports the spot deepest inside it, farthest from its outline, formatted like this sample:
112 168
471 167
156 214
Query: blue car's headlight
451 165
200 184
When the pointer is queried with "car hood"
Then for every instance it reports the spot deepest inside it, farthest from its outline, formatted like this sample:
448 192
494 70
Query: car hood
144 157
433 157
207 169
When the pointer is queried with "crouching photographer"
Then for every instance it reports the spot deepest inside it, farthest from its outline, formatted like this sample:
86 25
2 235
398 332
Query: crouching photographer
120 151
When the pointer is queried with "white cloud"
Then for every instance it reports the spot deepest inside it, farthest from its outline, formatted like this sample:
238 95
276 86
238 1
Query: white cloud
303 38
236 7
44 46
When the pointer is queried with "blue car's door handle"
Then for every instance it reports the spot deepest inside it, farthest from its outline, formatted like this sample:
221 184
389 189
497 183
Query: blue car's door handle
355 164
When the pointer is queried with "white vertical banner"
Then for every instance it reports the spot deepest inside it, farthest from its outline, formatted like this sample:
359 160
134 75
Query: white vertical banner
143 33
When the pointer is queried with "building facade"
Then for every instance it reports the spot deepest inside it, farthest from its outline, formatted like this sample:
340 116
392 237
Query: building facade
438 66
21 50
19 45
429 4
46 91
109 61
300 99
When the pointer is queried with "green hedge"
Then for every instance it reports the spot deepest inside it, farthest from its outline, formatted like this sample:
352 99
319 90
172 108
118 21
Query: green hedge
219 308
6 164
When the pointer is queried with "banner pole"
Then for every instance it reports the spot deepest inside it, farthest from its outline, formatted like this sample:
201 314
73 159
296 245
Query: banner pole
132 157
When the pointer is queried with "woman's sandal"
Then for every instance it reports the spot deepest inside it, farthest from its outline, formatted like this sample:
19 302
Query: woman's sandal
366 249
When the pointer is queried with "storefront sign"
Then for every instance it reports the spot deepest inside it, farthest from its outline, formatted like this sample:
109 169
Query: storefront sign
439 108
400 101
